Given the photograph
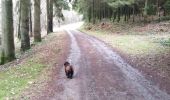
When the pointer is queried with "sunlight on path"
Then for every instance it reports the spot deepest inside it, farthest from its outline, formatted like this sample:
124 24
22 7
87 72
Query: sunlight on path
69 26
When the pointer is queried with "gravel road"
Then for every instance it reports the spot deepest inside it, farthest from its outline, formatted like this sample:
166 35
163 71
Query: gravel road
101 74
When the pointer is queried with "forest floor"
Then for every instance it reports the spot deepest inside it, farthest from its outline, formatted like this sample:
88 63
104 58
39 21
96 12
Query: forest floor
33 72
108 66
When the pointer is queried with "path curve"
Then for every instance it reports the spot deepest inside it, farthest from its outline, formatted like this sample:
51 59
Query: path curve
101 74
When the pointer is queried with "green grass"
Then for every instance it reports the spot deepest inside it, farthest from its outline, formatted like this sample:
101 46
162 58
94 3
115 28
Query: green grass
132 44
16 79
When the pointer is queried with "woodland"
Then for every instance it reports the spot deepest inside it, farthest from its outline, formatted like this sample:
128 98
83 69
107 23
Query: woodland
122 48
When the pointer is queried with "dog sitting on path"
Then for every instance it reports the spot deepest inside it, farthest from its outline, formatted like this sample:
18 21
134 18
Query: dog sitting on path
68 70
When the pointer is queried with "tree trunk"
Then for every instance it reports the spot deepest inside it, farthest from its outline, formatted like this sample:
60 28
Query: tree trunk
114 16
133 12
47 8
89 14
125 13
50 20
8 48
93 12
30 20
19 21
158 11
37 25
146 11
25 39
118 20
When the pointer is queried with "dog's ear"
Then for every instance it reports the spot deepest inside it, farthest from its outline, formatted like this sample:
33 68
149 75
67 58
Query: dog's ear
66 63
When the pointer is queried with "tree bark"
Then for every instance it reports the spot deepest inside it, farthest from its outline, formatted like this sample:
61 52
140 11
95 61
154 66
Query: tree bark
93 12
50 20
125 13
47 7
158 11
118 20
8 48
25 39
146 11
114 16
133 12
19 21
37 25
30 20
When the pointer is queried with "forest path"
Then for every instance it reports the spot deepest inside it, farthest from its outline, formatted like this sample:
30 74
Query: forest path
101 74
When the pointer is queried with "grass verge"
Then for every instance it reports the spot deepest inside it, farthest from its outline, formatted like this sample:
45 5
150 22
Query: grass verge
134 44
14 80
26 77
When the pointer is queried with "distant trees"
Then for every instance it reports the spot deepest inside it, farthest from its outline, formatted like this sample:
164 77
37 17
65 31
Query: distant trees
8 49
59 5
128 10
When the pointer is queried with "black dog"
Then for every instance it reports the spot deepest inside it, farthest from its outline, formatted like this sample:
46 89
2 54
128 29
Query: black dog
68 70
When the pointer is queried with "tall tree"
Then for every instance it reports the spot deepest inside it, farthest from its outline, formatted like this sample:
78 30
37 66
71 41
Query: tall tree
30 19
37 26
8 48
47 8
18 8
93 10
25 39
146 11
49 5
50 20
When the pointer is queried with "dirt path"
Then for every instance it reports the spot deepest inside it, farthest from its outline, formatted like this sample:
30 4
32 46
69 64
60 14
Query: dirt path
101 74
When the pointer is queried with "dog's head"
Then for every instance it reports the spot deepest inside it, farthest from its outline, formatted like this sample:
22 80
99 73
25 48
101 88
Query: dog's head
66 64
